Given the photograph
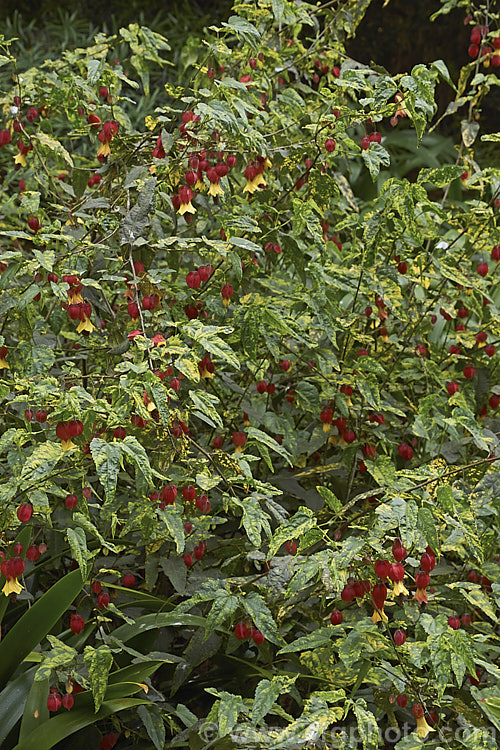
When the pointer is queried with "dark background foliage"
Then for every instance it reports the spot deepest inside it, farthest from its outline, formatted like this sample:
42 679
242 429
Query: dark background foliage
398 36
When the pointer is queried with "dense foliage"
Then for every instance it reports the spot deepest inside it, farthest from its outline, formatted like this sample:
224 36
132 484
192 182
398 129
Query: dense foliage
250 393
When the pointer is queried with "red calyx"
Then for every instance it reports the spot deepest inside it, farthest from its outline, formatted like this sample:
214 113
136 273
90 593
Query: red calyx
241 631
77 623
336 617
379 595
399 637
382 568
24 512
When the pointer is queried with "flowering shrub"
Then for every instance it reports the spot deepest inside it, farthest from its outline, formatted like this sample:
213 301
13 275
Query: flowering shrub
249 416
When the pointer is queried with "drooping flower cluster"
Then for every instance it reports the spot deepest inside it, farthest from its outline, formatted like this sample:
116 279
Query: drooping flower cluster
105 135
254 174
11 569
81 311
4 365
65 431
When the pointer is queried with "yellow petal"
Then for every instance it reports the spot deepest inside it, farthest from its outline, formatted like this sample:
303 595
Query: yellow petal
85 325
4 365
215 189
379 615
20 159
12 586
399 588
104 149
186 208
252 185
205 374
423 728
326 427
420 595
67 445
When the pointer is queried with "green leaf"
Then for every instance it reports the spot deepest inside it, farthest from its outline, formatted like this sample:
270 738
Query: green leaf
308 728
267 692
375 157
134 224
368 387
230 707
245 29
479 600
443 71
52 145
173 520
80 181
246 244
411 742
330 498
155 621
188 365
261 437
94 70
107 459
138 456
64 725
292 528
444 495
351 648
176 571
350 548
60 655
278 7
218 348
469 132
36 622
466 419
152 719
80 520
426 523
205 403
488 700
440 177
98 662
40 464
35 711
258 610
224 606
382 470
255 520
354 11
367 725
9 438
312 640
78 545
307 396
30 201
161 400
18 700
